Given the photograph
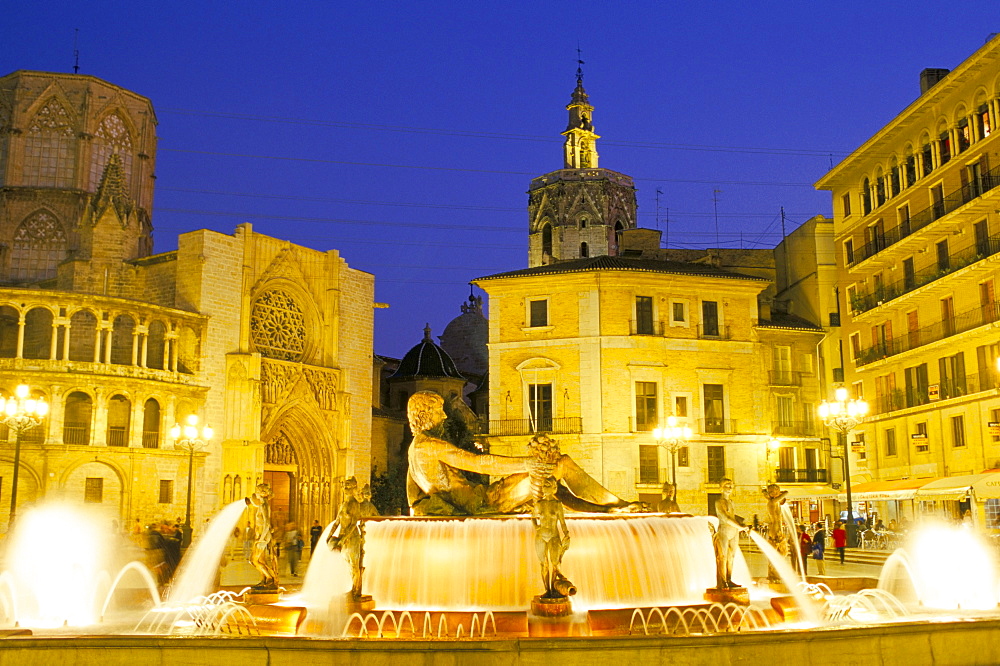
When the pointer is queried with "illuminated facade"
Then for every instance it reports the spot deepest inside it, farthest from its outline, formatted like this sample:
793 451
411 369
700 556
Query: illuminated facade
268 342
917 242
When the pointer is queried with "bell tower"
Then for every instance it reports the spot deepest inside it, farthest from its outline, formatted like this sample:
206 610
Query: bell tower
580 210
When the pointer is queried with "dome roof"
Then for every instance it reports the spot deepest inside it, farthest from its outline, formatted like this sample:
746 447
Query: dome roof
465 338
427 360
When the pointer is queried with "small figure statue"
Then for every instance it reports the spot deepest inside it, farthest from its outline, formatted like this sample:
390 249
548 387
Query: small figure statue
668 504
551 540
368 508
263 557
777 533
726 539
347 537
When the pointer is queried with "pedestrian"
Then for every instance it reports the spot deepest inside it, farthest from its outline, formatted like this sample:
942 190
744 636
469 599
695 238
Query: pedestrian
314 533
840 539
819 548
805 548
292 548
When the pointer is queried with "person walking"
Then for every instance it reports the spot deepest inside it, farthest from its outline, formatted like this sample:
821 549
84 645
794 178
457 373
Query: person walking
819 548
314 533
292 548
805 548
840 539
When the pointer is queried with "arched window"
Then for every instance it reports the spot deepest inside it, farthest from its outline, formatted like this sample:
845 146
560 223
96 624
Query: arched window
119 416
237 487
8 332
156 345
49 148
151 424
111 137
82 336
37 333
121 340
583 223
76 420
547 240
866 196
619 228
584 250
39 245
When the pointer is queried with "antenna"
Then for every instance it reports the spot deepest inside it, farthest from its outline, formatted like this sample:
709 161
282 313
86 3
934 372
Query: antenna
76 51
658 193
715 206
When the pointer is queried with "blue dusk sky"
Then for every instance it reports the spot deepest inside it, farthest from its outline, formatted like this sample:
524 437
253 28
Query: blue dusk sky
405 135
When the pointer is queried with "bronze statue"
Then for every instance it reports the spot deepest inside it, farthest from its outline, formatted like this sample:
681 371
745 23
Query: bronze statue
436 483
263 557
777 532
551 539
347 537
668 503
726 539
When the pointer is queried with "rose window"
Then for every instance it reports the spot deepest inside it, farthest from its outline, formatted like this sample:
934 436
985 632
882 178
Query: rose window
277 326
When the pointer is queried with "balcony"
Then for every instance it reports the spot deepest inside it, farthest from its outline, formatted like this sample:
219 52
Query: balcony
511 427
785 378
948 388
719 332
717 426
960 323
863 302
650 475
787 475
794 429
951 202
645 327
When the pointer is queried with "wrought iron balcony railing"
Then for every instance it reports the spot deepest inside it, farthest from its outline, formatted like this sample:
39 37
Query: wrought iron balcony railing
507 427
794 428
788 475
785 378
718 426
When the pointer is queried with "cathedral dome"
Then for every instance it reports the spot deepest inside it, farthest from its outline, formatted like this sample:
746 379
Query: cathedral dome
427 360
465 338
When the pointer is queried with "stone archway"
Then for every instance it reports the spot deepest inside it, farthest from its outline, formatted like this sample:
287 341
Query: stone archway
300 463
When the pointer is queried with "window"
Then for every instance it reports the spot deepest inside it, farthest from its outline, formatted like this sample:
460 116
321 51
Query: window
927 158
714 408
983 121
782 360
76 418
915 379
911 169
644 315
849 252
903 213
894 182
119 413
680 406
678 313
986 357
645 406
93 491
890 442
151 424
982 238
858 389
937 200
964 135
540 406
855 346
846 204
584 250
866 196
546 240
786 411
649 464
992 506
943 260
995 418
683 457
111 138
920 438
710 318
909 274
947 316
944 148
951 371
583 223
49 148
716 463
958 431
39 245
859 446
538 313
166 491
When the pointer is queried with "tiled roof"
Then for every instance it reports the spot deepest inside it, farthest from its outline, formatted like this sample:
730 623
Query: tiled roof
609 263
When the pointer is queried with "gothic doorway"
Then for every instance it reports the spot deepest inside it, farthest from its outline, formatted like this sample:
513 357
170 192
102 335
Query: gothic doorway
283 503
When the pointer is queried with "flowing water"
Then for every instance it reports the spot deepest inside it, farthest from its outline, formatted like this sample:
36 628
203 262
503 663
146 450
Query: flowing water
789 578
199 569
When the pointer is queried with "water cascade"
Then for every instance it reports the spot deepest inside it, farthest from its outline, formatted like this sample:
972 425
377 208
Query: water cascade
200 566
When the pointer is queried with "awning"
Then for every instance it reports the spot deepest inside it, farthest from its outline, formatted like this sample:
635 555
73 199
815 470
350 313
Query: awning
981 486
899 489
801 493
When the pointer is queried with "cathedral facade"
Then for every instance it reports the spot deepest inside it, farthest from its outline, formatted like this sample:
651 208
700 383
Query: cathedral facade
267 341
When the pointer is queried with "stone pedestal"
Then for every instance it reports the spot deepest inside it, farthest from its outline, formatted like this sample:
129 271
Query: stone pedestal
261 596
554 617
726 595
551 606
361 604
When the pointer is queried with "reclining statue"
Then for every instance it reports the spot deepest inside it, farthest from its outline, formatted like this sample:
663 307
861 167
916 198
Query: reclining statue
436 484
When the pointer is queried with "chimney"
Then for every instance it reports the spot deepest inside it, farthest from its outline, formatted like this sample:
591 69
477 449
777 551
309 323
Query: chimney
930 77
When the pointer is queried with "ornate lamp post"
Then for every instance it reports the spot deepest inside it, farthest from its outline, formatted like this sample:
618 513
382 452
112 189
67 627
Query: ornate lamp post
193 440
843 415
672 438
20 414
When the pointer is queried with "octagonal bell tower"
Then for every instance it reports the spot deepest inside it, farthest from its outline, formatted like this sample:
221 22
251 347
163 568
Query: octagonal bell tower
580 210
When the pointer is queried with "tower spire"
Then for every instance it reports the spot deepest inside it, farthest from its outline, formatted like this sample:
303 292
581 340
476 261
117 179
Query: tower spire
580 147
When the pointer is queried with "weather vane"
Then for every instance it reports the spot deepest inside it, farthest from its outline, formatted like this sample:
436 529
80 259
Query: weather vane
579 63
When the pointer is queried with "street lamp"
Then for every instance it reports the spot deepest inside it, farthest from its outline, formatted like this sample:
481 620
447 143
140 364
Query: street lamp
672 438
193 440
20 414
843 415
